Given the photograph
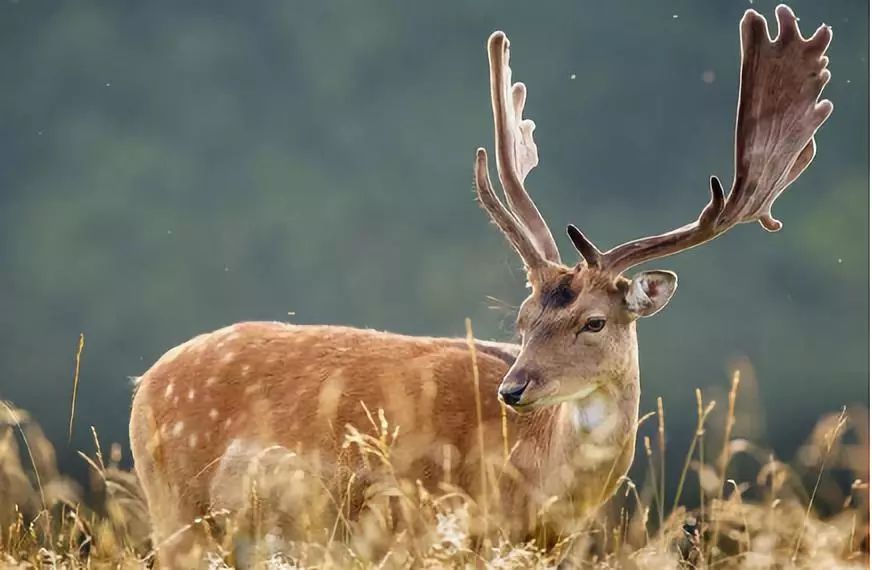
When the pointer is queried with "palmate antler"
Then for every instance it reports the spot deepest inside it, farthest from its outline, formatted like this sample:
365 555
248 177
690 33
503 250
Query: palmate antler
517 155
778 115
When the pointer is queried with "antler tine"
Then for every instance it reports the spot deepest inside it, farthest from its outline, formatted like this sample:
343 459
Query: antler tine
515 148
502 217
588 250
778 115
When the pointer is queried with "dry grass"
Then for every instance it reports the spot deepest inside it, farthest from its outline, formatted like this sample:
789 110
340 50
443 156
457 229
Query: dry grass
787 516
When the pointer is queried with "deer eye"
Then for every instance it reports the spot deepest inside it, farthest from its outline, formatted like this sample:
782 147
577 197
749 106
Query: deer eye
594 324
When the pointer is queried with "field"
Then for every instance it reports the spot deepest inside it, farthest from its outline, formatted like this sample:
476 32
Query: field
785 515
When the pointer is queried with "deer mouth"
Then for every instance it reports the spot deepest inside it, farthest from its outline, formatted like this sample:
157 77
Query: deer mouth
551 396
536 398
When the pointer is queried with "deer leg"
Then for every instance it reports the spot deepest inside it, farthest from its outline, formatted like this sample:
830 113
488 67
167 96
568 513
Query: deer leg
179 538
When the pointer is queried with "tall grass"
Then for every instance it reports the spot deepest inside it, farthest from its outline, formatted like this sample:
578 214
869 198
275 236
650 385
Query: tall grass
287 518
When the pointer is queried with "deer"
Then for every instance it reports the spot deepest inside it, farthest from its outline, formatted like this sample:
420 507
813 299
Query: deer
566 396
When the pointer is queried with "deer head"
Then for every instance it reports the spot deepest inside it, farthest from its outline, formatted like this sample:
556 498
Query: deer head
578 324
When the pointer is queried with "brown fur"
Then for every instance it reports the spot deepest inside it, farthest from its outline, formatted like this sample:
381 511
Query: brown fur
300 386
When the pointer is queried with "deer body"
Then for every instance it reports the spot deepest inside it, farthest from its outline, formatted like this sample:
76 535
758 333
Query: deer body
211 407
299 386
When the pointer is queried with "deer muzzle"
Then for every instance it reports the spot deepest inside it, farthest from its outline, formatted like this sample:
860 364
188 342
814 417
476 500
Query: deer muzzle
514 385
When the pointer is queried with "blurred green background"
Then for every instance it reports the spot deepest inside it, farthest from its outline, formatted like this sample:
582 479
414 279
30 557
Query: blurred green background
168 168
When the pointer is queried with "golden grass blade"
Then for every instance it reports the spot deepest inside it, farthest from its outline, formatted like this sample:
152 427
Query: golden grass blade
840 423
472 354
75 385
724 460
702 414
661 439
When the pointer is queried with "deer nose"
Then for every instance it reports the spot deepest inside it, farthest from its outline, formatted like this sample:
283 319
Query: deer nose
513 395
513 387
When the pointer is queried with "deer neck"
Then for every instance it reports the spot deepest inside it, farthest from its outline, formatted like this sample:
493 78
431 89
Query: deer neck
594 436
604 419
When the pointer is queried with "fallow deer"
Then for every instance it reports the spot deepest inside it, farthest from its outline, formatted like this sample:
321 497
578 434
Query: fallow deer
570 388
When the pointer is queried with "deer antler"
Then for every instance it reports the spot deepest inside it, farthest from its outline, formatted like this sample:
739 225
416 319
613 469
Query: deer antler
778 115
516 157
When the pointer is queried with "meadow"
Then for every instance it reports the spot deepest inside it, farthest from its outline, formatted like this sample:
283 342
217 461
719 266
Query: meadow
736 505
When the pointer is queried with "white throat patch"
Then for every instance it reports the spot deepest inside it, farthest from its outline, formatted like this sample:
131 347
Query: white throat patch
595 415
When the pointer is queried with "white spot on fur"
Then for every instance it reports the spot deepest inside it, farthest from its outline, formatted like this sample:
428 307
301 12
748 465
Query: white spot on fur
169 391
227 422
191 394
228 357
246 368
192 440
213 414
210 381
178 428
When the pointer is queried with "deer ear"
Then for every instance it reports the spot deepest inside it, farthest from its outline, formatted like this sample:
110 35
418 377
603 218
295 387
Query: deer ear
649 291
